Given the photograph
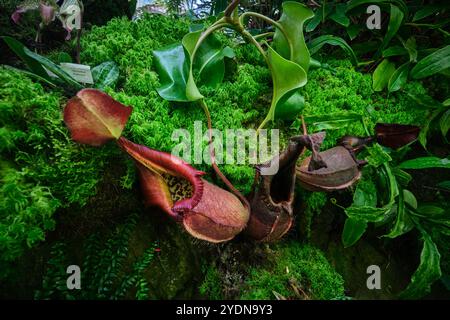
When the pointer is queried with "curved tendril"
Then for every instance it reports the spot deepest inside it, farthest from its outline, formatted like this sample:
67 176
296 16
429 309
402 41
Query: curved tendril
213 159
270 21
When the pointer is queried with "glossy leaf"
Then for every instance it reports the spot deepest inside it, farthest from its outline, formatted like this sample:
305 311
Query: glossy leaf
176 70
356 3
382 74
283 85
54 68
332 121
173 68
22 52
339 16
425 11
105 75
411 47
353 231
426 127
290 106
293 17
431 64
395 21
368 213
403 222
403 177
410 199
429 270
394 51
189 43
398 78
94 118
444 122
316 44
425 163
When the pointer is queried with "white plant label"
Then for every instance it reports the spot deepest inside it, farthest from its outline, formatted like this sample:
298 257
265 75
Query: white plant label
80 72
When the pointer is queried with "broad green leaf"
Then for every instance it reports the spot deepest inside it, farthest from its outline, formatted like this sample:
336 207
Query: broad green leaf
377 156
105 75
57 70
33 65
382 74
403 222
365 194
431 210
353 231
398 78
316 44
444 122
425 163
32 75
332 121
339 16
356 3
433 63
425 128
411 47
173 68
368 213
290 106
429 270
189 42
394 51
287 77
425 11
403 177
292 19
395 21
444 184
446 103
353 30
410 199
210 63
320 14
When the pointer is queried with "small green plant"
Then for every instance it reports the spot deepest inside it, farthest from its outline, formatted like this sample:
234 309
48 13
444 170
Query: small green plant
104 275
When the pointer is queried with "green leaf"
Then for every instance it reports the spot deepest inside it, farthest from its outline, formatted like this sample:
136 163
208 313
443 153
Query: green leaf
368 213
290 106
424 130
316 44
332 121
410 199
339 16
431 210
429 270
398 78
353 231
433 63
292 19
105 75
444 122
172 67
209 61
377 155
394 51
319 16
189 42
425 11
444 184
403 222
58 71
382 74
287 77
425 163
353 30
395 21
403 177
356 3
411 47
33 65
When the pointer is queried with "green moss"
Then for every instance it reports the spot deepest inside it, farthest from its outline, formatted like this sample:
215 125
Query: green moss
294 265
42 168
211 286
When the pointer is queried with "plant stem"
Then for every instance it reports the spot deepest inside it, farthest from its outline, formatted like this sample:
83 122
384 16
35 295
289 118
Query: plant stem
270 21
213 158
263 35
